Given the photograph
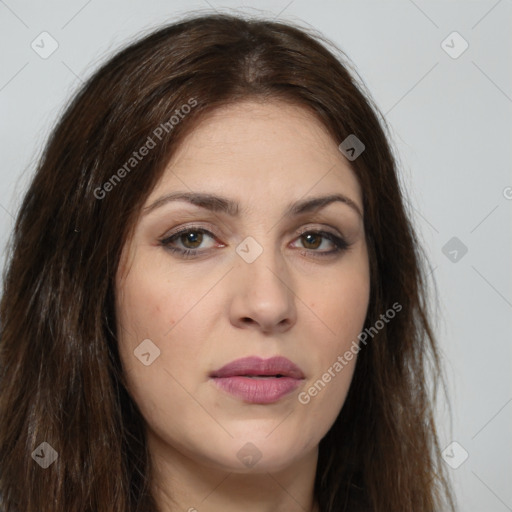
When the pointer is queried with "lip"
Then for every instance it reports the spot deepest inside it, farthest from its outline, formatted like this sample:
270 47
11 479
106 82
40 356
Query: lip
257 380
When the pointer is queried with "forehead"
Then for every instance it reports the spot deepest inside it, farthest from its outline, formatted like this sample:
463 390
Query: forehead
257 146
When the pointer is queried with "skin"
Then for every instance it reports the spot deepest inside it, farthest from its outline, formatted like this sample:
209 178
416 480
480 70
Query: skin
206 311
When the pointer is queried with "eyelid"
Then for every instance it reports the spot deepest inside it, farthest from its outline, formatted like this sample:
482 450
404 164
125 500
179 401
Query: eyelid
212 232
189 227
329 229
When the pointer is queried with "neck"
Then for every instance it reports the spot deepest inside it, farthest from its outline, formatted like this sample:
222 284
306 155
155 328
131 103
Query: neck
183 484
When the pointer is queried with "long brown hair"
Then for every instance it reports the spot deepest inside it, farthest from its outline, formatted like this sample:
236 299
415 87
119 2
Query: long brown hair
60 374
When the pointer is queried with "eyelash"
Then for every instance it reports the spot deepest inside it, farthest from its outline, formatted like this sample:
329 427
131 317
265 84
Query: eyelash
340 244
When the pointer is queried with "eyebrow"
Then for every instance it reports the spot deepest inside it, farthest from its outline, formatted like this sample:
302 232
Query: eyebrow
224 205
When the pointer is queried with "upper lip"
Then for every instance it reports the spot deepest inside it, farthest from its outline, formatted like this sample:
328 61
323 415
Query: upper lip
257 366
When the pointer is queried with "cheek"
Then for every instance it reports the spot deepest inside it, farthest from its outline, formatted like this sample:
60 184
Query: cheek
341 302
153 300
340 307
150 307
171 310
333 358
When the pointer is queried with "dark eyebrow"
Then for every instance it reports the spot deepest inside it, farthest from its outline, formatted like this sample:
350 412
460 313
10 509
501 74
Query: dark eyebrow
224 205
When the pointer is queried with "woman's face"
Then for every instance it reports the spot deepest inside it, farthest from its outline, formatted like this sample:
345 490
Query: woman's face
265 274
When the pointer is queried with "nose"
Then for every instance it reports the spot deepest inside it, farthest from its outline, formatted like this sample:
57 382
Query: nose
263 297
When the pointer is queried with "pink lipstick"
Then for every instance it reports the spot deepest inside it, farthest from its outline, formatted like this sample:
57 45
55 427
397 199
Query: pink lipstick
259 381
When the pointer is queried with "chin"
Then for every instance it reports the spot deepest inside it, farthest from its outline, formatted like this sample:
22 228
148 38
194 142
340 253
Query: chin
261 452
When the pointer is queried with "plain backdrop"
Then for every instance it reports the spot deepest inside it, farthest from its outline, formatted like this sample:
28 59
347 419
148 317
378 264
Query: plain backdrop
450 111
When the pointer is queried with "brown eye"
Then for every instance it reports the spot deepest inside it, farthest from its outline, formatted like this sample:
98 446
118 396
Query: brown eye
312 240
194 238
188 242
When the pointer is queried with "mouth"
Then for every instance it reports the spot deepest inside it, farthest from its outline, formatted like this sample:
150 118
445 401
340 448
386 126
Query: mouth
258 381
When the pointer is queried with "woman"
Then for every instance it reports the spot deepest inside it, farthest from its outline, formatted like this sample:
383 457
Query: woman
215 299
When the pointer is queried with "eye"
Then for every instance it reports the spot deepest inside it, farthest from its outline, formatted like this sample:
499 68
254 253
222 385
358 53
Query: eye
190 239
312 240
189 242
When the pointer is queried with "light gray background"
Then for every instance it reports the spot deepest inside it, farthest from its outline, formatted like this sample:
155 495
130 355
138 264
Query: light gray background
452 127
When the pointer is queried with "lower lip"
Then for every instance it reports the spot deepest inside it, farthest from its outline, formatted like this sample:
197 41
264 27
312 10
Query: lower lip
258 391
